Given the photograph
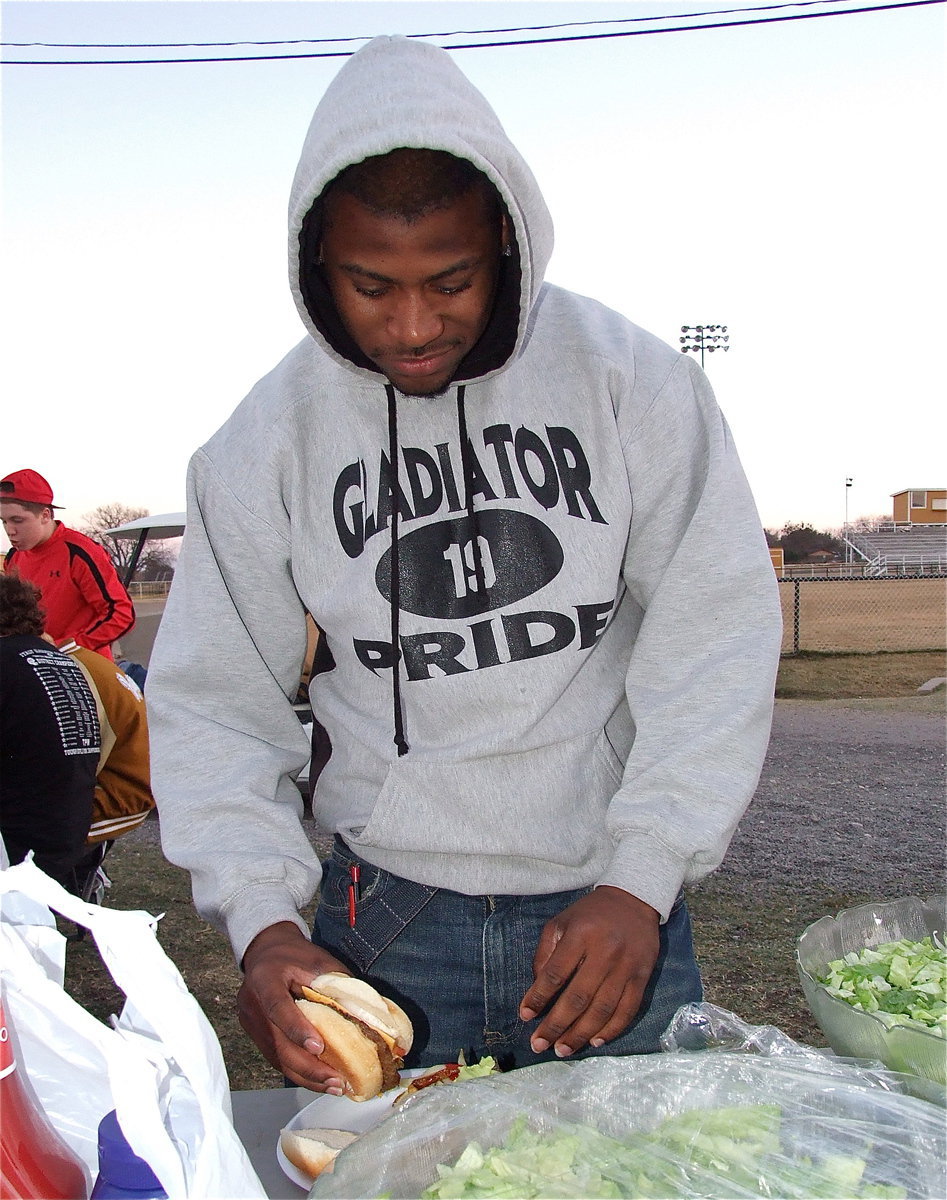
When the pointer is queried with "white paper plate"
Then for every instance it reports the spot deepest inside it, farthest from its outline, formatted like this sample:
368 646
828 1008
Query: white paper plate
338 1112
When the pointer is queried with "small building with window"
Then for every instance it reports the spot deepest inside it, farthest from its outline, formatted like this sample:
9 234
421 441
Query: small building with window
920 506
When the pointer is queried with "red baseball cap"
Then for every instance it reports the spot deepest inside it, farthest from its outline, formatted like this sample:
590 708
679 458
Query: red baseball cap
28 487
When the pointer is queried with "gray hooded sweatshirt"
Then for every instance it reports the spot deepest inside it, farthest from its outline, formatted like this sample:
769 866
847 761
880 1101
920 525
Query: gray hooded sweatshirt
584 607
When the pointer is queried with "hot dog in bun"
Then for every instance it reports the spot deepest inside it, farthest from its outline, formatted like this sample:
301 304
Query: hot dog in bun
366 1035
447 1073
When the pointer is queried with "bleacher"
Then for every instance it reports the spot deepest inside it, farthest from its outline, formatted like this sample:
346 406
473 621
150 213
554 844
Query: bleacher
901 550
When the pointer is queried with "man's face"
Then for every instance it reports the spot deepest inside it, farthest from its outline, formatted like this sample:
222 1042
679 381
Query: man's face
26 529
415 297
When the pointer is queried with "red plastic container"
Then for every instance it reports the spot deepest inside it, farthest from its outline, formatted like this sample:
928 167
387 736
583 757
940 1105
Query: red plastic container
35 1163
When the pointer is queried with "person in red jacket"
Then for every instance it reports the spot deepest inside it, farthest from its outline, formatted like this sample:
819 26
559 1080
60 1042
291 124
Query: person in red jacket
83 596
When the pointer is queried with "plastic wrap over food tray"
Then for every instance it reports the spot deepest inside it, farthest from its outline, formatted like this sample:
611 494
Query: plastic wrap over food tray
829 1115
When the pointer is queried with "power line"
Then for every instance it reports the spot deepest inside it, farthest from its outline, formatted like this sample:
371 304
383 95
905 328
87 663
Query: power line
579 37
718 12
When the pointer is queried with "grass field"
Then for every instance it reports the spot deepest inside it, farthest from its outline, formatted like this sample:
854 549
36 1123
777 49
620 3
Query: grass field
864 615
745 949
816 676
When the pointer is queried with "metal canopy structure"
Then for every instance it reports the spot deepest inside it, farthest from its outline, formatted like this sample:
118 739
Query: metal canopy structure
162 525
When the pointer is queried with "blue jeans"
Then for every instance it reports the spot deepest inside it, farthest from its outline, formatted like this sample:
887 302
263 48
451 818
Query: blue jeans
459 965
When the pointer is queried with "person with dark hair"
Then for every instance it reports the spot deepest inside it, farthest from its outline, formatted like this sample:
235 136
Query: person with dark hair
82 594
49 740
550 622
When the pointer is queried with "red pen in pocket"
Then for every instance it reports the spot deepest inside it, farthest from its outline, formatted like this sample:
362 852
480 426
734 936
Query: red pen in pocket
353 893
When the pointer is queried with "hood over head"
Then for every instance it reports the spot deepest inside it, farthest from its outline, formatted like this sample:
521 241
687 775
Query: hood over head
397 92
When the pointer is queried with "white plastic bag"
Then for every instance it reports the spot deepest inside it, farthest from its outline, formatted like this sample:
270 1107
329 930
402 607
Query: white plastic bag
160 1065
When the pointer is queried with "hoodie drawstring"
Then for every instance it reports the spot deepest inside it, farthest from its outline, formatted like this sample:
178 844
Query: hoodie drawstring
395 575
399 738
472 526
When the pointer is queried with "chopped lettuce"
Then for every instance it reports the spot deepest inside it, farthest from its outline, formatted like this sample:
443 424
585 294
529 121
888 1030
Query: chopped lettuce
696 1153
901 983
477 1070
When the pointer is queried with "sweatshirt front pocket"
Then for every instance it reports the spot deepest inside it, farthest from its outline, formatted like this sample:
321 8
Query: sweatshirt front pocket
546 803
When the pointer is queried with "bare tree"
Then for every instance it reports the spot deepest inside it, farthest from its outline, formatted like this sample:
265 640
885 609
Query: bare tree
157 561
872 524
109 516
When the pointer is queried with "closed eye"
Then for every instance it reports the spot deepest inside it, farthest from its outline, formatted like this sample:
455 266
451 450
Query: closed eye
455 291
374 293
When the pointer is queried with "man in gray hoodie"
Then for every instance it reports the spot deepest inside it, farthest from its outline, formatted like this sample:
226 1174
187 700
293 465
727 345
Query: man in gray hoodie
522 528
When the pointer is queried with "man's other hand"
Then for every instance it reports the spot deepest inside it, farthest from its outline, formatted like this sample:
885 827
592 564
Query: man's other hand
592 966
278 963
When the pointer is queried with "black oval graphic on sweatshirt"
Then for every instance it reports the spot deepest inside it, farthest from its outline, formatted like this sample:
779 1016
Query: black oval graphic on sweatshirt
438 568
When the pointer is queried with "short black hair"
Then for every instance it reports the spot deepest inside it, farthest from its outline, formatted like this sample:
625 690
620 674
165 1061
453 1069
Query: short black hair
20 611
412 182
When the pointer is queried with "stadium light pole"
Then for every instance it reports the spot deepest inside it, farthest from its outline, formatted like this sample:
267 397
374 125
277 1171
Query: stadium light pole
704 338
848 549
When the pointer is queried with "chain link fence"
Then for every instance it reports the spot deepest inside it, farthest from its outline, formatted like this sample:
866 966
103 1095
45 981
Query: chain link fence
864 615
831 613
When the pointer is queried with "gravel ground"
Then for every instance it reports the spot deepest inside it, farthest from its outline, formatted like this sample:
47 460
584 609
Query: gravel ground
850 799
842 789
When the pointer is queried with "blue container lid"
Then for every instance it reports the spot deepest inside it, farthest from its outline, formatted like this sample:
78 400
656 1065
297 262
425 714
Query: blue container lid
119 1164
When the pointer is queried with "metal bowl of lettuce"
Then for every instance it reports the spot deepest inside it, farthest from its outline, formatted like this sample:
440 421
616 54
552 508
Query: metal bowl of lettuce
874 977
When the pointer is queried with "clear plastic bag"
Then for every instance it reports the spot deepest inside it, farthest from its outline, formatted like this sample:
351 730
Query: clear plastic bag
707 1027
765 1118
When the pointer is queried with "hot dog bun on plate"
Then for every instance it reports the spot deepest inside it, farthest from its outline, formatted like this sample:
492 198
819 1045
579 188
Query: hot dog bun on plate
314 1150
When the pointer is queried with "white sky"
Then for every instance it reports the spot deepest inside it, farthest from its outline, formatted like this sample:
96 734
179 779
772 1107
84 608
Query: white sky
785 181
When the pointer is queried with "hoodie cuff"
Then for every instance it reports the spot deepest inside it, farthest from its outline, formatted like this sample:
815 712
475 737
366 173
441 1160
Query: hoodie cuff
646 868
254 911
